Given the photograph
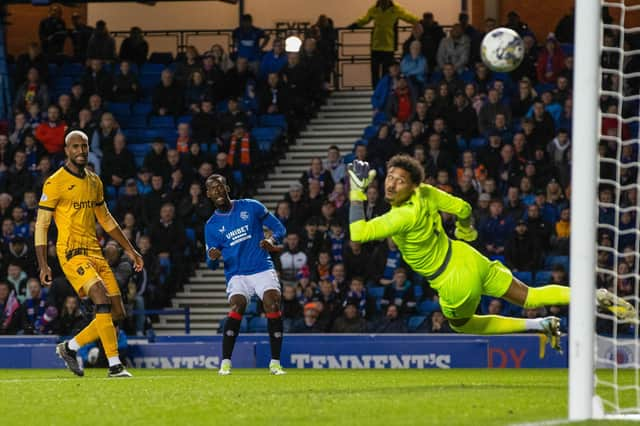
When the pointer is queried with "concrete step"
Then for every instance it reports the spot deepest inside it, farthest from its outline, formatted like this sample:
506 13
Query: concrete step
347 113
323 127
351 107
352 94
210 295
321 148
200 310
328 133
209 327
194 318
356 121
214 306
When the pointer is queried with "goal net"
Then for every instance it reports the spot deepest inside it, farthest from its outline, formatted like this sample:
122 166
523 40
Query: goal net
610 372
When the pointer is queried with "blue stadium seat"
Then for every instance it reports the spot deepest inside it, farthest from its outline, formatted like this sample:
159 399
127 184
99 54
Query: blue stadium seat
376 292
162 121
428 306
273 120
135 121
110 192
148 82
120 108
185 119
499 258
164 58
190 233
436 76
63 82
237 177
150 68
72 69
252 309
266 136
567 48
142 108
415 322
467 76
462 145
524 276
138 148
370 132
542 277
379 118
348 158
549 261
543 87
477 143
258 325
222 106
213 148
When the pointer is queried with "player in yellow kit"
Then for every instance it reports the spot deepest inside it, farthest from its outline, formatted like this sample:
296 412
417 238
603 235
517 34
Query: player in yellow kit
459 273
74 198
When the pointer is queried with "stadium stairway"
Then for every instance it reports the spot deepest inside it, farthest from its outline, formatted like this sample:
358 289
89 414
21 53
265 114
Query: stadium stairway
340 122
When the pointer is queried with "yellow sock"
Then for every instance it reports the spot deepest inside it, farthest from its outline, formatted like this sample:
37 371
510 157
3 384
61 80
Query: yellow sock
88 334
107 332
552 294
492 324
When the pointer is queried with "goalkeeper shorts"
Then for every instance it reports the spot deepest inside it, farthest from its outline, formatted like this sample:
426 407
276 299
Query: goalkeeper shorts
468 276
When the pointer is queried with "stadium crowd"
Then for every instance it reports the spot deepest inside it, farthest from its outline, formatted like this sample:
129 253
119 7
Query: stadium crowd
499 141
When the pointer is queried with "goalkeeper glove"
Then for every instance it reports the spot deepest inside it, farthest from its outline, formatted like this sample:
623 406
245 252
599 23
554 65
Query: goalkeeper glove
360 176
466 233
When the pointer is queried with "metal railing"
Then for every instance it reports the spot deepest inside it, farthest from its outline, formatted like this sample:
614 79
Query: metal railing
352 54
184 311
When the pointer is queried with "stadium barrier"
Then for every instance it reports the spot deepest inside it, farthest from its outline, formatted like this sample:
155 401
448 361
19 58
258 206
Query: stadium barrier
312 351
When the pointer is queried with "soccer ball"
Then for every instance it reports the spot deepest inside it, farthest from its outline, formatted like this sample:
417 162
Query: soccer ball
502 50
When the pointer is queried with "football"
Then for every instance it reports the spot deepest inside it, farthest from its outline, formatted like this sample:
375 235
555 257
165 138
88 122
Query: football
502 50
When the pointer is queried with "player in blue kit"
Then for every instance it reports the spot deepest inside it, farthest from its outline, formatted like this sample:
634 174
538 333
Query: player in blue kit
235 232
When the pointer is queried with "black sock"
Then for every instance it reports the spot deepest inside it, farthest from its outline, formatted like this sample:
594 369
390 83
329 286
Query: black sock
231 329
274 325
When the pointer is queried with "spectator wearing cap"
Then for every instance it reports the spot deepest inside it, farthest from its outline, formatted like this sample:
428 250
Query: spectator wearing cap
129 201
273 61
101 45
392 322
168 97
350 321
495 230
401 103
118 164
454 49
550 61
309 323
521 251
204 123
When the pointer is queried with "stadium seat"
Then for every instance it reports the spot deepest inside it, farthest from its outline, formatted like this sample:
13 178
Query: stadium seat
164 58
499 258
120 108
462 145
185 119
524 276
542 277
190 233
567 48
237 177
149 69
142 108
436 76
134 121
252 309
273 120
477 143
148 82
72 69
550 261
379 118
258 325
428 306
370 132
162 121
467 76
415 322
376 292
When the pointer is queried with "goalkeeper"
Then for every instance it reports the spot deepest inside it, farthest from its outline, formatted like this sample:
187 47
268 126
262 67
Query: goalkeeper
458 272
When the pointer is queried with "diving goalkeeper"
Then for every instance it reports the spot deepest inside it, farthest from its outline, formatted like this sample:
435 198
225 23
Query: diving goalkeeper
458 272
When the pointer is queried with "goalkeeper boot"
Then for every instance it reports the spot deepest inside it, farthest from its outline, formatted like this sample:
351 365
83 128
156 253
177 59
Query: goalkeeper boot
118 371
70 358
225 368
276 369
619 307
551 329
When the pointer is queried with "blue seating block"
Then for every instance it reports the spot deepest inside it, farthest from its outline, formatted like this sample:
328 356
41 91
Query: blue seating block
549 261
477 143
524 276
542 277
252 309
273 120
376 292
415 322
162 121
258 325
428 306
142 108
120 108
370 132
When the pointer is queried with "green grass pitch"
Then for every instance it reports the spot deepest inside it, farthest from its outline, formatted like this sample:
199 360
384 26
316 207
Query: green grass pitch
302 397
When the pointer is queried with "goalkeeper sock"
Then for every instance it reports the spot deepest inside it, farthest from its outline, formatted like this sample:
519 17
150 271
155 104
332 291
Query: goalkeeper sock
493 324
275 327
87 335
230 332
552 294
107 333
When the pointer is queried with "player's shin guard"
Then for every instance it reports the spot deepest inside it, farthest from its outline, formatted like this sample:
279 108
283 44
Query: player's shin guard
106 330
552 294
231 330
275 327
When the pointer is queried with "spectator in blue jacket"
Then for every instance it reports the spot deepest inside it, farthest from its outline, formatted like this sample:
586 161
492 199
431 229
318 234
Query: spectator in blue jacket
414 64
385 87
273 61
495 230
248 41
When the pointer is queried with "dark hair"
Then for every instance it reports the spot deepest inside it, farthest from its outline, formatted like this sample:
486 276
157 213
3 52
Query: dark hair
410 164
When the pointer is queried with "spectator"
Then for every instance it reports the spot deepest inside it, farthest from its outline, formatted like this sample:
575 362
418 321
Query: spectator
317 172
495 230
488 112
539 229
80 36
19 130
35 317
521 251
129 201
156 158
309 323
96 108
213 77
313 242
220 57
17 279
437 159
120 265
392 322
103 138
169 241
401 292
330 301
454 49
401 103
274 98
560 241
229 118
196 92
336 238
321 268
195 209
70 320
134 48
126 87
238 78
204 123
521 104
558 148
19 176
31 92
118 165
184 138
97 80
248 41
550 61
515 23
291 308
385 87
349 321
430 34
414 64
514 207
51 133
273 61
167 98
9 306
32 59
385 16
242 152
188 65
438 323
67 114
334 163
101 45
292 259
53 32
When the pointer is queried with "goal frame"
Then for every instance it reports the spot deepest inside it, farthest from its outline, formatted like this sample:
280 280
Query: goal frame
585 132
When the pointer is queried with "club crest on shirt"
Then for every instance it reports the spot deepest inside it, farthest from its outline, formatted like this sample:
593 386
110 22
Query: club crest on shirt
244 215
221 230
44 197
